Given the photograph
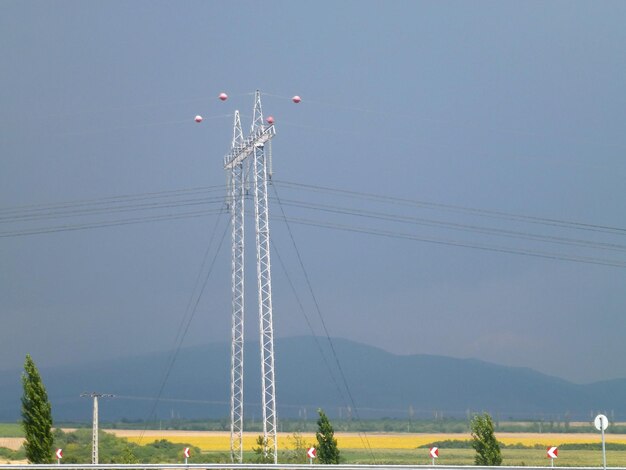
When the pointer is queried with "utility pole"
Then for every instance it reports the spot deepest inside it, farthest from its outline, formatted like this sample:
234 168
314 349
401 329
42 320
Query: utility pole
94 440
247 155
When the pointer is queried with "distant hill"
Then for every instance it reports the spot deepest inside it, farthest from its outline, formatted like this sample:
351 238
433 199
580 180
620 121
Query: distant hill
308 377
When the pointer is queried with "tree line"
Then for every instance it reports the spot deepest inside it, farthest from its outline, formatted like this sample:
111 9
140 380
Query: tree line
41 438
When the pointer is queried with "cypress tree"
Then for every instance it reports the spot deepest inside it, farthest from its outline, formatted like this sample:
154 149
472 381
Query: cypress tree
484 441
36 416
327 450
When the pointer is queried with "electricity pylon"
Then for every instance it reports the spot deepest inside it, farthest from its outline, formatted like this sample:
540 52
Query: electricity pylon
246 160
94 440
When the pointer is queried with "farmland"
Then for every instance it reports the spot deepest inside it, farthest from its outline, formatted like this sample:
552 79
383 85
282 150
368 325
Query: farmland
210 440
407 448
522 448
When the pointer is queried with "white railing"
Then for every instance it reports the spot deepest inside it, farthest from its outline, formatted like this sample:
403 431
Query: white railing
275 467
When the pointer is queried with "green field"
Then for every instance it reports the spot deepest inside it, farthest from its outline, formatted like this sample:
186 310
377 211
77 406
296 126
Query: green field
511 457
11 430
401 449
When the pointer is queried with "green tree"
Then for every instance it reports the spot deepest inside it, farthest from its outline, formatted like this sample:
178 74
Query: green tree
36 416
296 449
77 448
128 456
260 453
327 450
484 441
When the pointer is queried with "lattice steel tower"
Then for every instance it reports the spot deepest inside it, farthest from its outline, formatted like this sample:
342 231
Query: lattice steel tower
246 160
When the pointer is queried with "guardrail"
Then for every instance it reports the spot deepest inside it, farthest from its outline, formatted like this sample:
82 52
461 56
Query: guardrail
206 466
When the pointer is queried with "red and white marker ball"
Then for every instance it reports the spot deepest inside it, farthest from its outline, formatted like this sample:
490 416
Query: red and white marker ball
270 120
223 96
296 99
198 118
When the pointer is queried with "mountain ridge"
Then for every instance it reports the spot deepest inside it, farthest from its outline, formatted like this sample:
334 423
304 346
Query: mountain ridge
309 375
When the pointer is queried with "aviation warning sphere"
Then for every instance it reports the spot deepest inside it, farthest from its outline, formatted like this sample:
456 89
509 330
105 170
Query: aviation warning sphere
223 96
198 118
270 120
296 99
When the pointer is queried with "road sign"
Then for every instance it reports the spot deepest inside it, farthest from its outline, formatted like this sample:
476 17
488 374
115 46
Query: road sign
553 452
601 422
187 452
434 452
59 454
311 452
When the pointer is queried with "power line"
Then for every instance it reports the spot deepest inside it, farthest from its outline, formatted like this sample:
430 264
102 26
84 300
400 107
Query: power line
323 323
324 189
453 225
112 223
112 209
455 208
439 241
388 410
158 201
190 312
321 224
111 199
308 322
82 207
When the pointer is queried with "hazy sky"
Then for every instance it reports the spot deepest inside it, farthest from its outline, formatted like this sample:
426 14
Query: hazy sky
500 125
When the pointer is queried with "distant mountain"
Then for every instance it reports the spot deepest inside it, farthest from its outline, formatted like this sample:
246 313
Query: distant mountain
311 374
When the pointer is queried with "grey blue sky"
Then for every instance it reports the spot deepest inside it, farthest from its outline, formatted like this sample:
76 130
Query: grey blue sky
510 109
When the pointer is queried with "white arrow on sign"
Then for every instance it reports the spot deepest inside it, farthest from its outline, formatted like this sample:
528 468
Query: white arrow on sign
434 452
311 452
187 452
553 452
59 454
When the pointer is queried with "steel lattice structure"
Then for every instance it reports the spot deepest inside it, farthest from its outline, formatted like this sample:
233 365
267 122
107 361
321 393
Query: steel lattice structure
247 160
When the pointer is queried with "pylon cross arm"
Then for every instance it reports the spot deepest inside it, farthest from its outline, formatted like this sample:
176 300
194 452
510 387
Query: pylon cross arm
240 153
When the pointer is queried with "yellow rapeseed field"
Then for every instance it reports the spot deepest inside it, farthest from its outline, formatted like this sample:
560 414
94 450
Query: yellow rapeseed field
219 441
